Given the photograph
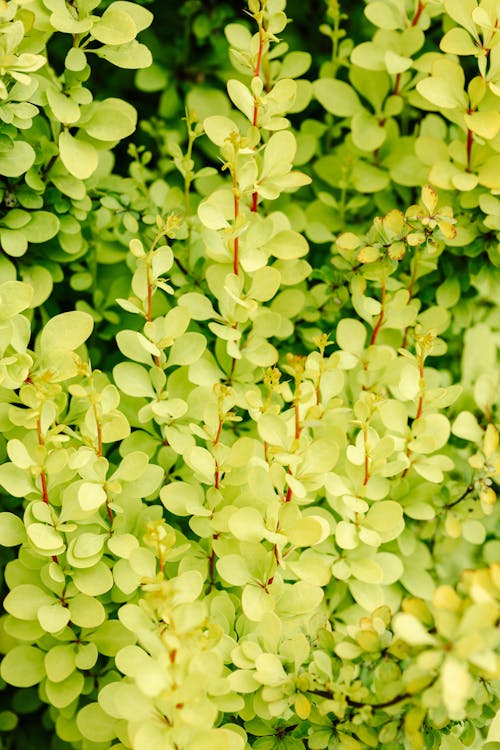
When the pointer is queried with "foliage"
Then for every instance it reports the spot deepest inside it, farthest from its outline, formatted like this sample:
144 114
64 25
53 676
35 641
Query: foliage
249 382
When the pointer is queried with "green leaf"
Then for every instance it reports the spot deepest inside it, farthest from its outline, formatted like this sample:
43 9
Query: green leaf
95 580
67 330
351 335
111 637
15 480
13 242
299 599
198 306
458 42
234 570
295 64
86 611
187 349
396 64
131 56
94 724
443 93
287 245
219 128
12 531
486 123
60 662
489 175
76 59
337 97
182 499
8 721
79 157
133 380
369 179
142 17
256 603
110 120
279 153
241 97
61 694
494 729
366 570
367 133
384 15
23 666
461 12
115 26
136 346
42 226
15 296
65 109
45 538
25 600
17 159
247 525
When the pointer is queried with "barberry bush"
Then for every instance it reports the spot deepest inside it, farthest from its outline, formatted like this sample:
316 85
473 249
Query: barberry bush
249 329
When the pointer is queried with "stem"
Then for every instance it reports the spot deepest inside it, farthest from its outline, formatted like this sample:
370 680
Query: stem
420 406
216 441
380 317
255 118
45 494
236 246
109 512
43 475
464 494
256 74
211 568
363 704
149 300
410 292
470 141
98 429
367 460
342 206
418 13
421 396
187 178
397 83
297 417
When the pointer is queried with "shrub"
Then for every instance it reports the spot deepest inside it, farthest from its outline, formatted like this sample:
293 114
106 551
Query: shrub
249 377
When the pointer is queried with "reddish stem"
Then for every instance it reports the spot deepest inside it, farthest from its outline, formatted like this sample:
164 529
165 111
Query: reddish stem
418 13
420 409
397 84
45 494
470 141
256 73
45 497
109 512
297 419
367 461
255 118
